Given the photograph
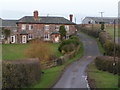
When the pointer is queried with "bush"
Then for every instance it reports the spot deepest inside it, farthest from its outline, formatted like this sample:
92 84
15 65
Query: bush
39 49
74 37
68 45
20 73
90 31
105 63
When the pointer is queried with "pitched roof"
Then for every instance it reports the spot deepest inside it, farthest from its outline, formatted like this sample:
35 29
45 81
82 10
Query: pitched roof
45 20
9 23
103 19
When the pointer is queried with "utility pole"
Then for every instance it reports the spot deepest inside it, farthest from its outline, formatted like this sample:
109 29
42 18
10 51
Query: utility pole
101 13
114 42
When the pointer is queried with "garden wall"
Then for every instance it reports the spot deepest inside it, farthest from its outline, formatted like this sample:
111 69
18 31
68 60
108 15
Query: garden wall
20 73
61 60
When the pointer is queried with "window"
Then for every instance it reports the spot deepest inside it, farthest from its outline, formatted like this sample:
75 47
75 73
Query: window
46 36
30 36
23 26
57 28
30 27
67 28
2 37
46 27
14 30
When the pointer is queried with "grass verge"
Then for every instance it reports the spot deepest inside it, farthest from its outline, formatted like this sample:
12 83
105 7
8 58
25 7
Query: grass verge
102 79
51 75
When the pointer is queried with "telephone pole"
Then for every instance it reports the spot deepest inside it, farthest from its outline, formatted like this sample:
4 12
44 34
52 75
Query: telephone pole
101 13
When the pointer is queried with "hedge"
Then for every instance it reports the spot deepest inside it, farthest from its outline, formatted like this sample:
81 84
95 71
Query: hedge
20 73
90 31
68 45
108 44
105 63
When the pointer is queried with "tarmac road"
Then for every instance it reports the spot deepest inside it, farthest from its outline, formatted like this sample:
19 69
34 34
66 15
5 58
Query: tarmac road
74 75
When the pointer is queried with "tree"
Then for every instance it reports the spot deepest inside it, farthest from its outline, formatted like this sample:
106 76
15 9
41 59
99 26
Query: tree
102 26
7 33
62 32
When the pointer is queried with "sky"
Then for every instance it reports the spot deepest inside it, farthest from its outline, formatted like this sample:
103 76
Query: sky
16 9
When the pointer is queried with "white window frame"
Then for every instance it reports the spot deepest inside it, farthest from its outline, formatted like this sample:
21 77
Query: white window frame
48 37
47 27
13 37
57 28
23 26
2 36
30 36
30 27
67 27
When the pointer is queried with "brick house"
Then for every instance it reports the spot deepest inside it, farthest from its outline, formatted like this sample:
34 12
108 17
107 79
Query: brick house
38 27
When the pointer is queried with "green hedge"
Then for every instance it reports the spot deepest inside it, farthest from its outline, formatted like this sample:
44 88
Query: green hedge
20 73
105 63
108 44
90 31
68 45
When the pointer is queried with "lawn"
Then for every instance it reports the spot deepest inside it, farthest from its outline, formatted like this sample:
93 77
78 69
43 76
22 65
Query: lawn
102 79
51 75
16 51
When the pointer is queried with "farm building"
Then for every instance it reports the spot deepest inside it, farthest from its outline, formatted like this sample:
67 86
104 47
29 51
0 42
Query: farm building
98 20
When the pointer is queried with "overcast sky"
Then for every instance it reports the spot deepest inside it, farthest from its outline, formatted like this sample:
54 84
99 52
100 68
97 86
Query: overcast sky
16 9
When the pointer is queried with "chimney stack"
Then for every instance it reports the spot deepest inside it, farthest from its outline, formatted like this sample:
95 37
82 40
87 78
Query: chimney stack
36 14
71 17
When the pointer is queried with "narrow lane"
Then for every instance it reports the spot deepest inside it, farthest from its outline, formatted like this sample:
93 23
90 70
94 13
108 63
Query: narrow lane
74 75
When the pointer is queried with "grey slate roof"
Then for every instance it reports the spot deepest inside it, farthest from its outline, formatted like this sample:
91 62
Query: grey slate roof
9 23
45 20
103 19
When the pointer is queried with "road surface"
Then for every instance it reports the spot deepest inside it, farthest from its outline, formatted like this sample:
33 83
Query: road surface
74 75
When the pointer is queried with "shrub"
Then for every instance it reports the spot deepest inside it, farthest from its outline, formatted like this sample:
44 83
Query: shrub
71 42
105 63
74 37
39 49
20 73
90 31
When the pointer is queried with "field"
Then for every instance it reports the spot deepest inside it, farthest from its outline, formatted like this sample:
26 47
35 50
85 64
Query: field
102 79
110 29
16 51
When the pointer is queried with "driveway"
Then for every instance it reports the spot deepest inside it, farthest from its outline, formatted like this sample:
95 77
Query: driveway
74 75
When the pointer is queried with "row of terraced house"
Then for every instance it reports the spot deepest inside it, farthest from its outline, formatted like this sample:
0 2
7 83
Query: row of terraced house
37 27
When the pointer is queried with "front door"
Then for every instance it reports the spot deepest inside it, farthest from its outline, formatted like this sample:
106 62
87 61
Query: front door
24 39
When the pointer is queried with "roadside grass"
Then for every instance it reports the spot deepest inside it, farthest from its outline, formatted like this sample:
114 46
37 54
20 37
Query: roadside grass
51 75
102 79
16 51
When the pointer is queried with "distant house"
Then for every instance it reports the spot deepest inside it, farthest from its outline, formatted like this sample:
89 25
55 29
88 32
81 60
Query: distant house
98 20
38 27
